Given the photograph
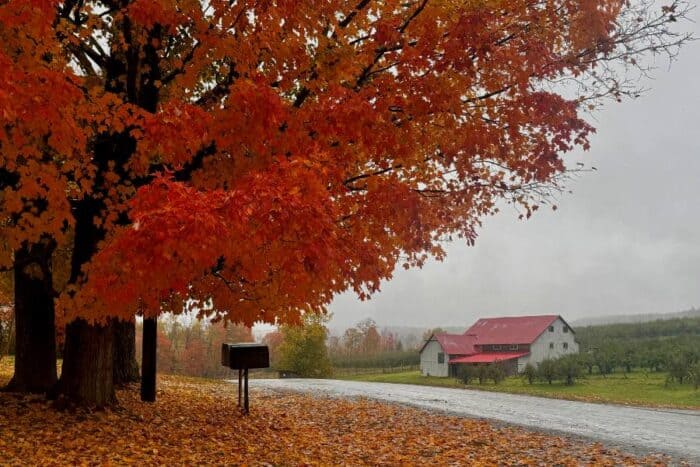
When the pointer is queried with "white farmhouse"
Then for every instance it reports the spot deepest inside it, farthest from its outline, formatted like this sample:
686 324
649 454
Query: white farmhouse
513 342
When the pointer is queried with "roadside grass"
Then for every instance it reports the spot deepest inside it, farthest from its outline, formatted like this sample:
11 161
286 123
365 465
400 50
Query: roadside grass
636 388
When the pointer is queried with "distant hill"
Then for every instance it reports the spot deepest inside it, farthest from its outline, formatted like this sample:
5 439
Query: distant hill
629 319
661 337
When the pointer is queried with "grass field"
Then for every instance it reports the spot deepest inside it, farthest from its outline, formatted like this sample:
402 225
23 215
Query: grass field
637 388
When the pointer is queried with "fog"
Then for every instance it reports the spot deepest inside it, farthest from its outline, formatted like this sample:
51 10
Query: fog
625 242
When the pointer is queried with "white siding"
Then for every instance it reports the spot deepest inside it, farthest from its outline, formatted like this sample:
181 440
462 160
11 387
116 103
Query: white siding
429 365
540 349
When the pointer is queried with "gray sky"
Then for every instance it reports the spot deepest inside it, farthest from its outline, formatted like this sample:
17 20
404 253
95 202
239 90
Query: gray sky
625 242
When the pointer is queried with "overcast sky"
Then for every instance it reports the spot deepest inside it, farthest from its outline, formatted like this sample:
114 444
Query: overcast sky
625 242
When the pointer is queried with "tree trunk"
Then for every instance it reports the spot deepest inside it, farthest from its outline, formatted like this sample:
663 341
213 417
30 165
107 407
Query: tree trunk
87 377
126 370
149 356
35 331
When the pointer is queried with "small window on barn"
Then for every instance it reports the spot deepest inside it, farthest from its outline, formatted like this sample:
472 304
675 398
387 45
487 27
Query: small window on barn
566 328
566 345
441 357
514 347
551 345
496 347
551 329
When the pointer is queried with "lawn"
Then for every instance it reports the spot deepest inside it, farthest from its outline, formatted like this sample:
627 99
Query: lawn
637 388
196 422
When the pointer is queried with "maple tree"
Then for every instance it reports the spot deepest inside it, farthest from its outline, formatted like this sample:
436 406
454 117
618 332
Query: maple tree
251 159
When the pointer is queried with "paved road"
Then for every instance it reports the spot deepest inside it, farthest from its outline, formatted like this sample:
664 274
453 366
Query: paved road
675 432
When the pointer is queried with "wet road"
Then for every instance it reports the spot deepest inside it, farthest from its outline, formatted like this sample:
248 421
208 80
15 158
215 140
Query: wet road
674 432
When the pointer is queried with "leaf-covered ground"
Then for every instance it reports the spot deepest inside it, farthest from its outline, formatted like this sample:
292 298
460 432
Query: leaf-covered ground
197 422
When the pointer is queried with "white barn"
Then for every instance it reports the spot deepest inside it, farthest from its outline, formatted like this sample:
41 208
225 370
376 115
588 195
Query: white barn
512 342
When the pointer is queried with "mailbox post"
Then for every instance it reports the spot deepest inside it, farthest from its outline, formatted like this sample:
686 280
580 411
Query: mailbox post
242 357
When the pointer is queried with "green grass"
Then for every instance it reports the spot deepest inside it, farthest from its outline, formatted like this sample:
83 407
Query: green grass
637 388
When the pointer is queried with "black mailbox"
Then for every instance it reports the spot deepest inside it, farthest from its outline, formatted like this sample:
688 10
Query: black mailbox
242 357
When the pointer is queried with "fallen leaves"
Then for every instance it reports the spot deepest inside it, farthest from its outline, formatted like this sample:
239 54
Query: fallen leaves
196 422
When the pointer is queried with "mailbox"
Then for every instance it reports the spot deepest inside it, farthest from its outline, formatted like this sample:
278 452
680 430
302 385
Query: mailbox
242 357
245 356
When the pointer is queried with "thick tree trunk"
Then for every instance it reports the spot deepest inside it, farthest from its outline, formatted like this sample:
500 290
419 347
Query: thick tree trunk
149 355
126 370
87 377
35 332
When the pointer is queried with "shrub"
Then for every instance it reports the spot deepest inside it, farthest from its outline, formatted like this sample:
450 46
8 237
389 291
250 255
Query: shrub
530 373
695 375
547 370
679 367
496 373
605 359
466 373
482 373
569 368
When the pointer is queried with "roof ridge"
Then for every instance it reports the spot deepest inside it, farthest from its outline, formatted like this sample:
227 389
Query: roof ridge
520 316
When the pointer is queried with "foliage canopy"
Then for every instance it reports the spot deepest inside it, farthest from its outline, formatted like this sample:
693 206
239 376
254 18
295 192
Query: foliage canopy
252 159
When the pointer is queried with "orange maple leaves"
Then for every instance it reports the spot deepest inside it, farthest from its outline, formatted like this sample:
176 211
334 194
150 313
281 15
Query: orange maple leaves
253 159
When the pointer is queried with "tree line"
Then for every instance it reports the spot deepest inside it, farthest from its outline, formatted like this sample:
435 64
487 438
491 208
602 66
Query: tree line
193 348
663 345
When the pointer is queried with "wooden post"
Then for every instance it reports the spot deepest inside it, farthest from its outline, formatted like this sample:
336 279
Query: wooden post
240 388
245 408
148 365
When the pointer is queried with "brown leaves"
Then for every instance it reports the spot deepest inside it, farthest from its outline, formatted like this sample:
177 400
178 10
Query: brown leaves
197 422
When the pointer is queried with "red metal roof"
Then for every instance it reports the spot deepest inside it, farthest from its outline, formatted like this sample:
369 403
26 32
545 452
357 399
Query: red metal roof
488 357
510 330
456 344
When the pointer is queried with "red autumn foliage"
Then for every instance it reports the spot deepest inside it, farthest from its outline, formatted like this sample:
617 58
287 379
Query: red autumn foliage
252 159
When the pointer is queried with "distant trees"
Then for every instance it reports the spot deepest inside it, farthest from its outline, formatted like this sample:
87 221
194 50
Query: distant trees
430 332
6 330
365 346
364 339
7 316
273 340
303 348
194 348
665 345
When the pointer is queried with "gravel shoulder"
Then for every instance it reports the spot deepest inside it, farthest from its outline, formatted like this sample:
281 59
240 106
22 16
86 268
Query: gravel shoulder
670 431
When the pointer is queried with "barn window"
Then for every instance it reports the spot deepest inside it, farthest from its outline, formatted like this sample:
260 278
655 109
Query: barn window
566 345
551 329
441 357
514 347
496 347
566 329
551 345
